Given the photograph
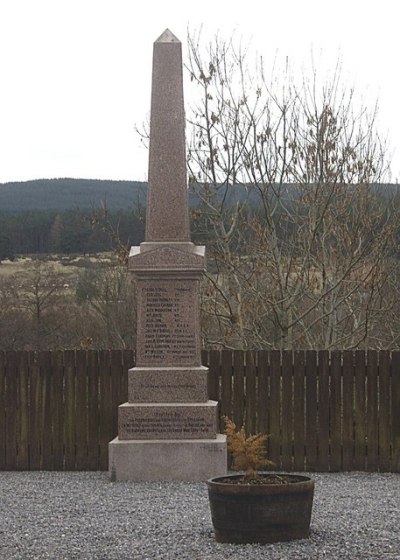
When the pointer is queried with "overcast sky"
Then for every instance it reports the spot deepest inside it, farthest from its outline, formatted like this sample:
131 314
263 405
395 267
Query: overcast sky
75 74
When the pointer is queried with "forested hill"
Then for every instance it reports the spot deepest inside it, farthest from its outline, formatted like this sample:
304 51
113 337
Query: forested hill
84 194
65 194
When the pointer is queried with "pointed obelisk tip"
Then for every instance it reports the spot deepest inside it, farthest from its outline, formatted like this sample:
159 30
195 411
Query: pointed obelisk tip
167 37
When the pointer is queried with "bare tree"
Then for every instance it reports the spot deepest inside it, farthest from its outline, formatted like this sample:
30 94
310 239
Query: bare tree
108 297
300 236
38 296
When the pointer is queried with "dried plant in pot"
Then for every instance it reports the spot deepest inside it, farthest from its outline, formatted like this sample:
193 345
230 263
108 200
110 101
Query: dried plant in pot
255 506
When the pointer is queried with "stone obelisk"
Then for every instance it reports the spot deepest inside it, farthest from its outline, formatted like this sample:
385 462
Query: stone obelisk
168 428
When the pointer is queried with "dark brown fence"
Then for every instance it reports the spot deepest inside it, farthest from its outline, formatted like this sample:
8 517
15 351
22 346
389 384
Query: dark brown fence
324 410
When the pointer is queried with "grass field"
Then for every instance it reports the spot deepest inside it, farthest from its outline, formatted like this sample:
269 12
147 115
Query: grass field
63 264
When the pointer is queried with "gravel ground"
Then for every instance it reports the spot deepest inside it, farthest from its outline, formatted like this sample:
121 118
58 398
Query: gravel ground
65 516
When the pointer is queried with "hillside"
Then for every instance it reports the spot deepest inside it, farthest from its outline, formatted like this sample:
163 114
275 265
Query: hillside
67 194
64 194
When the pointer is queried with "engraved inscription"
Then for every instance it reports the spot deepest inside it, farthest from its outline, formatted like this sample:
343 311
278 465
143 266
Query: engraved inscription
171 425
168 318
167 386
175 424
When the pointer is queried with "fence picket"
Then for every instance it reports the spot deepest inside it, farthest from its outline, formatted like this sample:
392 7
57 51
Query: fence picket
57 409
395 408
3 400
35 407
372 408
311 410
105 409
226 385
359 410
93 411
11 410
46 420
262 392
81 406
69 410
347 429
127 364
23 410
335 410
274 412
298 410
251 410
116 373
214 375
287 412
323 410
384 411
238 389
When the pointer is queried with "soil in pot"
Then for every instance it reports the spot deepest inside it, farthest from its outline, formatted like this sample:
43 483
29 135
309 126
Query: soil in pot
273 507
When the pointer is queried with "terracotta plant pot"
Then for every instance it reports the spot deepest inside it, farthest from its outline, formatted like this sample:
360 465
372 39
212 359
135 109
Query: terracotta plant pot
260 513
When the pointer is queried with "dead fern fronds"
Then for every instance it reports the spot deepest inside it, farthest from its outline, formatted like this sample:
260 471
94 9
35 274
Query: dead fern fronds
249 453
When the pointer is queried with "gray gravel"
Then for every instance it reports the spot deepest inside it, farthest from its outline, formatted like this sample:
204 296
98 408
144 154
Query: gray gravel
65 516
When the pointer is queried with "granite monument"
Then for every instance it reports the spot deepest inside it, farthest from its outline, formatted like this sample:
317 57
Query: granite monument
168 429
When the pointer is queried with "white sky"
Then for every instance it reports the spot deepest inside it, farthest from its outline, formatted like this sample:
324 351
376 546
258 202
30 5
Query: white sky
75 74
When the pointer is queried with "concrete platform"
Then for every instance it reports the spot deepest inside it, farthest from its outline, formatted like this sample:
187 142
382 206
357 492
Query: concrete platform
190 460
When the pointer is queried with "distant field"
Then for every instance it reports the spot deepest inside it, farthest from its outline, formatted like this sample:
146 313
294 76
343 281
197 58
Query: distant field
7 268
63 264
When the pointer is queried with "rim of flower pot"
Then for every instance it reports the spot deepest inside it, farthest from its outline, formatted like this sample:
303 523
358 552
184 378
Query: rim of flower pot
222 484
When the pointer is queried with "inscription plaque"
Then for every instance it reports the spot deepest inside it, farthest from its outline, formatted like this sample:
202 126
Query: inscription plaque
168 327
167 422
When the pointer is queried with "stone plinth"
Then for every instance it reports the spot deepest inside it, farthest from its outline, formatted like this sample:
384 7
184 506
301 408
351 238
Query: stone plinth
192 460
169 384
168 420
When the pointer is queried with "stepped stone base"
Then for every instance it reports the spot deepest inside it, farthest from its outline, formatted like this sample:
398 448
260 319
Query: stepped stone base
167 384
168 420
189 460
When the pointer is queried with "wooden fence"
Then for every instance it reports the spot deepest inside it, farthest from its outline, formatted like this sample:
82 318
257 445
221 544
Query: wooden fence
325 411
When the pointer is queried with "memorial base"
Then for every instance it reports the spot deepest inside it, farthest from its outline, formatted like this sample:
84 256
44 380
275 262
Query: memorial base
187 460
